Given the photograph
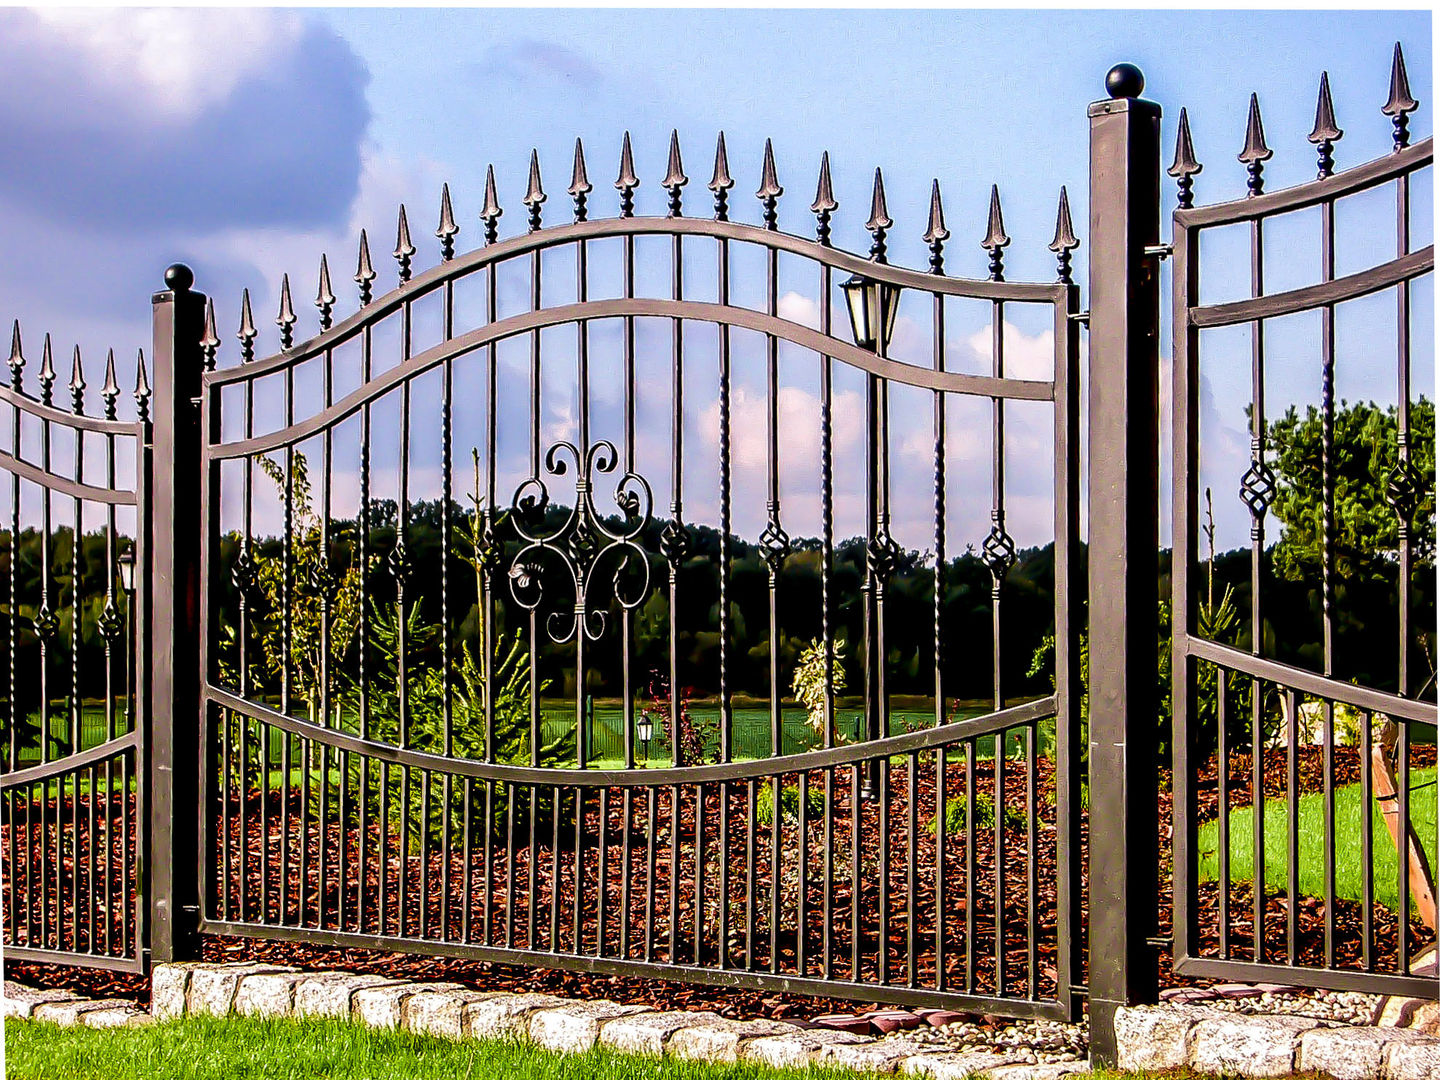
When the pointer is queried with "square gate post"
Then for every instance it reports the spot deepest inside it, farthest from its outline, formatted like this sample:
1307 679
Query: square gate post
173 634
1124 543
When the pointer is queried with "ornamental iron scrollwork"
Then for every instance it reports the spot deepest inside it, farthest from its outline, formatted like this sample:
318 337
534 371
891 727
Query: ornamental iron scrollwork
584 543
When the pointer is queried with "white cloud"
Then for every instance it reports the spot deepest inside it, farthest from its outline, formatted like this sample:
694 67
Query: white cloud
172 62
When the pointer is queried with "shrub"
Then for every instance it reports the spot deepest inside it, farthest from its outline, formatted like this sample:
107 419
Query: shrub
789 803
955 815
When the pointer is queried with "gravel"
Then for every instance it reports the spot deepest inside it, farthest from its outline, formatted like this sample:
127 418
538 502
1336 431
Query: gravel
1045 1042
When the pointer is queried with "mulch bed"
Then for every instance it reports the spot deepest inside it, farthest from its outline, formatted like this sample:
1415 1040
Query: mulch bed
650 896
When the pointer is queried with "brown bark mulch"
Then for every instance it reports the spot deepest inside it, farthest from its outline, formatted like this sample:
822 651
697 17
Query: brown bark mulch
441 881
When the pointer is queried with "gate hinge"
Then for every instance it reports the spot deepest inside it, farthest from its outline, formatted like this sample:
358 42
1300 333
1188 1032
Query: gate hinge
1160 251
1082 317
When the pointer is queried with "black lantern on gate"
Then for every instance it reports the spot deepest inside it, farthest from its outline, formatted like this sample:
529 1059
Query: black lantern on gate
126 563
872 305
645 731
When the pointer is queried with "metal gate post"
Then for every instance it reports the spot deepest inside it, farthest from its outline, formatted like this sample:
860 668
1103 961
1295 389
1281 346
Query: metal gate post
173 634
1124 542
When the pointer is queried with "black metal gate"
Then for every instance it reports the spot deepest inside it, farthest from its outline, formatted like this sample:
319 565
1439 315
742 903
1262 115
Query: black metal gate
423 794
1235 700
72 784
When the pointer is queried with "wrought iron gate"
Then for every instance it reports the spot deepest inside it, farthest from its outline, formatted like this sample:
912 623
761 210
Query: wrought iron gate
1254 704
72 784
439 816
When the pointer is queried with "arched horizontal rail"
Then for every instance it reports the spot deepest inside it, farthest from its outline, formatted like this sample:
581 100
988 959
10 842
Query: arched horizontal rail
1034 1008
1361 177
96 755
118 962
1307 682
461 266
1350 287
695 311
63 485
69 419
760 768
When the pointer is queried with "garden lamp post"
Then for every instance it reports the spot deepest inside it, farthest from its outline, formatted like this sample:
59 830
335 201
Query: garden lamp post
872 306
126 564
645 730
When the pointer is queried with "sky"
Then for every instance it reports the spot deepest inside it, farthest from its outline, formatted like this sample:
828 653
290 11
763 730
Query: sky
245 142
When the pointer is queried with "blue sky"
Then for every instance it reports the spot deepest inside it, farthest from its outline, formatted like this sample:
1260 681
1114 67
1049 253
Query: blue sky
247 141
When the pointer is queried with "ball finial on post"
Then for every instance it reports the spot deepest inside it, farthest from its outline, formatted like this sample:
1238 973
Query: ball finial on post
179 277
1124 81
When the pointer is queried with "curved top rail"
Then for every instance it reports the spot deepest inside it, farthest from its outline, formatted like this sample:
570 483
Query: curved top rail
757 768
27 404
1313 193
804 336
542 239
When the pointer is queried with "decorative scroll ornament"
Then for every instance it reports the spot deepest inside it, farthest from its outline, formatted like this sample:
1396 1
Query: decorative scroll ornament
244 573
882 555
1257 491
46 624
584 545
110 624
998 550
1403 489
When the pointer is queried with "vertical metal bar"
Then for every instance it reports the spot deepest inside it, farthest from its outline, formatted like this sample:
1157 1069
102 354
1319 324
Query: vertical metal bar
466 880
171 648
911 824
1000 863
1292 814
726 716
1186 749
1402 440
1069 589
1367 852
1402 853
1124 528
1257 545
447 633
971 835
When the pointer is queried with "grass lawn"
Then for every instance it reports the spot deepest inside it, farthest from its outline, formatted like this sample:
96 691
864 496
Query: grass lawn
1348 862
205 1048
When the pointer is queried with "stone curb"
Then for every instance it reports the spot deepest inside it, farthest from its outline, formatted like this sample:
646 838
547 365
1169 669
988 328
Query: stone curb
1176 1035
452 1011
1150 1038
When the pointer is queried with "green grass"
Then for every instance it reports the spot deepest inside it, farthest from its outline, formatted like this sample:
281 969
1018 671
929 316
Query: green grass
1348 854
205 1048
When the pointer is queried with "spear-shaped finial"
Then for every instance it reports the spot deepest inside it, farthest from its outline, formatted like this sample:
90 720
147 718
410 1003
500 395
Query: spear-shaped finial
1401 104
534 193
210 341
1256 153
142 389
47 374
17 357
879 221
995 238
404 249
324 297
720 181
490 212
675 177
770 190
447 229
286 318
627 181
111 390
824 205
1065 239
364 272
1185 167
579 183
935 232
246 333
77 384
1325 134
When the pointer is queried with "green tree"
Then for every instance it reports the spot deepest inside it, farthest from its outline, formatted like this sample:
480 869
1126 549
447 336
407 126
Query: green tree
1365 539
